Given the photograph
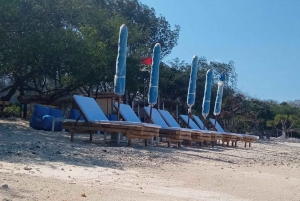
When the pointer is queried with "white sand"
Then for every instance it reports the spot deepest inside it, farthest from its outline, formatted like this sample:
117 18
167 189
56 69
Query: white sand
39 165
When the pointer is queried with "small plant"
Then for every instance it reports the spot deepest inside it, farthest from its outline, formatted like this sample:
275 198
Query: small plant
12 111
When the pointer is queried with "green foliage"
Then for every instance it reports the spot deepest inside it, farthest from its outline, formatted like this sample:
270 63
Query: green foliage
52 47
12 111
152 29
284 122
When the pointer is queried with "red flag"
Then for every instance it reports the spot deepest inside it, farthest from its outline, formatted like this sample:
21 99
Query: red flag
147 61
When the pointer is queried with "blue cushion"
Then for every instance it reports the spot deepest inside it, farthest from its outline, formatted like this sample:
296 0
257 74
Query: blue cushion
47 122
199 122
156 117
127 113
40 111
113 117
168 118
55 113
218 127
36 122
90 108
192 124
42 118
74 114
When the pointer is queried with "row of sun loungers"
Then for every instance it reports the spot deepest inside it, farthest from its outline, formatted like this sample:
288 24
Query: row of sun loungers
162 125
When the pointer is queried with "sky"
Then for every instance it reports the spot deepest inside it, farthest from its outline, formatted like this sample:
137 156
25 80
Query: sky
262 37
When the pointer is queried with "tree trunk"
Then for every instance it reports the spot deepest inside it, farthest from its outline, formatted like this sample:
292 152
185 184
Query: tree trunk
283 134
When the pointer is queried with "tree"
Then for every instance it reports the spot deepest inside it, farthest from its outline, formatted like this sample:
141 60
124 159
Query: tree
283 123
39 43
51 47
153 29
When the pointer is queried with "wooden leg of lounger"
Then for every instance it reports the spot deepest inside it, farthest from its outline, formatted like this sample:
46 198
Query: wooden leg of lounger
245 144
249 144
235 144
118 138
146 142
213 144
129 142
105 137
169 143
227 144
72 136
200 144
179 144
91 137
191 143
232 143
222 143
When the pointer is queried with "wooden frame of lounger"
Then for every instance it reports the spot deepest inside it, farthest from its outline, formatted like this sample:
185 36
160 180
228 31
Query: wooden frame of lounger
172 134
175 135
248 139
199 136
128 130
202 135
241 137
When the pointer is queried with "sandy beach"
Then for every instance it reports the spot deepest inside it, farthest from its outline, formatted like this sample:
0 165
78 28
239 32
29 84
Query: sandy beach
40 165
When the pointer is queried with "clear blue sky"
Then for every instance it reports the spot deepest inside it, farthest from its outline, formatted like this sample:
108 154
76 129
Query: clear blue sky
262 37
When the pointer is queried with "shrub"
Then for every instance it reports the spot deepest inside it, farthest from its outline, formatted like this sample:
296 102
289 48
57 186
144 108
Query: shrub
12 111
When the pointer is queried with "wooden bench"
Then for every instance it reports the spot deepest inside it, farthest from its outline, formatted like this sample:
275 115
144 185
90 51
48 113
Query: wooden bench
2 105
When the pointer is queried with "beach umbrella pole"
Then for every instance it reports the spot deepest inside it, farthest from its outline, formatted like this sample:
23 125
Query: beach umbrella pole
150 121
189 116
119 100
216 122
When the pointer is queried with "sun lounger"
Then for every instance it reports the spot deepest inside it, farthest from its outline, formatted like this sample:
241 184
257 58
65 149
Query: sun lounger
239 137
129 115
173 134
227 136
196 134
207 136
95 120
217 135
